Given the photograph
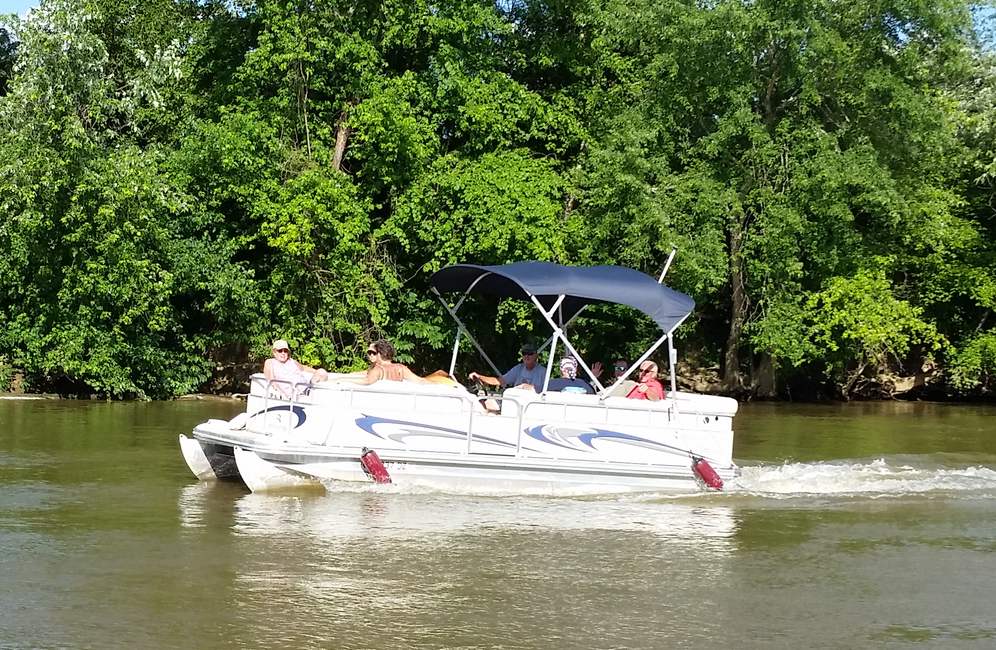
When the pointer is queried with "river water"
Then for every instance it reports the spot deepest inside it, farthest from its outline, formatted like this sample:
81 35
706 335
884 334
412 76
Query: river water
853 525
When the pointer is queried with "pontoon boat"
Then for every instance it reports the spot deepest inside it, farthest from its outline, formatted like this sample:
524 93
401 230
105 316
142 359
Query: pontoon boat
442 437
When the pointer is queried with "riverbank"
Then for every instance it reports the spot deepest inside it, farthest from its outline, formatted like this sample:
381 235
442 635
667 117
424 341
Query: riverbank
231 380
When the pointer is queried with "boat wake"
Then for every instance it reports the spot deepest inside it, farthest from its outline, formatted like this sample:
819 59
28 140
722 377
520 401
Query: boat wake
875 478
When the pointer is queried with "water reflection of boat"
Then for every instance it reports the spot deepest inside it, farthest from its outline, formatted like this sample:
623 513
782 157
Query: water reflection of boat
206 503
440 436
398 515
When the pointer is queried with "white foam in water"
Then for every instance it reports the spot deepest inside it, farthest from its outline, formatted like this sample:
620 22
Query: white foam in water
880 477
877 477
427 486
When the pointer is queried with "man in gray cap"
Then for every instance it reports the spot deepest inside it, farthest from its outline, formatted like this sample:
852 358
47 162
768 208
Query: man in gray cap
529 373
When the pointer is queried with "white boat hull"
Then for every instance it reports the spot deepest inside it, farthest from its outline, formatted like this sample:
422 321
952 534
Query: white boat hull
261 474
438 437
208 461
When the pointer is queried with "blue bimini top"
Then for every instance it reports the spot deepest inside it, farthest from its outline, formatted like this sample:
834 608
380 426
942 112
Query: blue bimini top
581 285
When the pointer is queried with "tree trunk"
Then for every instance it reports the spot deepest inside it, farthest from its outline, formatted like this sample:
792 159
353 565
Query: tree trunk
732 379
302 100
764 383
848 386
342 133
569 204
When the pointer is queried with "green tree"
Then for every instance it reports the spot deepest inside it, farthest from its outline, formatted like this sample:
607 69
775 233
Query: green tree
781 144
962 293
8 56
857 323
399 115
101 284
180 180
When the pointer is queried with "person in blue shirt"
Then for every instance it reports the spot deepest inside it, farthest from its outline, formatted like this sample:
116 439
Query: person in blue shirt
528 374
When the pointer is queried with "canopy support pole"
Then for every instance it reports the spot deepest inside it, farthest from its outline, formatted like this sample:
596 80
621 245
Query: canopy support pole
456 351
667 264
672 354
559 333
565 326
553 339
672 362
645 356
462 329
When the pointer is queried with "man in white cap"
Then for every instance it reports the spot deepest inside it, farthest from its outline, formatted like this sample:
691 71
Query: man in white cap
287 372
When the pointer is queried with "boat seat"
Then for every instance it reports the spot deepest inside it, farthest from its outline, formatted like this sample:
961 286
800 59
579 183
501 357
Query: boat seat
521 397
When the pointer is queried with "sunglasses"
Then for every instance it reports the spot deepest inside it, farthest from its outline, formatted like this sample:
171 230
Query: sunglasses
372 352
529 354
619 367
281 350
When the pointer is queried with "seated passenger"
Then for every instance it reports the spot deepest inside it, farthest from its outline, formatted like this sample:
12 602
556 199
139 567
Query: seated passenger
287 372
568 382
619 367
381 355
649 387
527 374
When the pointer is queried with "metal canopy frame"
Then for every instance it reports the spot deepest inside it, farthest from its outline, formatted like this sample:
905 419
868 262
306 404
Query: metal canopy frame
558 327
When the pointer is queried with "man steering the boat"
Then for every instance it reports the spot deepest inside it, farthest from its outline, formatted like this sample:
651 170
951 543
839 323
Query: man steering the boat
528 374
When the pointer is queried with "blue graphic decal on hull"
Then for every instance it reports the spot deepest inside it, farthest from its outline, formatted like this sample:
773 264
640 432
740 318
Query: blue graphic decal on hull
540 432
588 438
295 410
369 422
563 437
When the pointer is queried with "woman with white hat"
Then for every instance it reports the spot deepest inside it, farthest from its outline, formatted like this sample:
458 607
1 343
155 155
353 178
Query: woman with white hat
569 382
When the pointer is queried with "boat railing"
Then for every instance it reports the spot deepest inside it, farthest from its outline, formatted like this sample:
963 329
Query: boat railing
279 396
475 411
283 393
650 410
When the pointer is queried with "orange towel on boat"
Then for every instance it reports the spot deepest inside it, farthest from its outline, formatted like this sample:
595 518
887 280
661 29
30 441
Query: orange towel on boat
440 377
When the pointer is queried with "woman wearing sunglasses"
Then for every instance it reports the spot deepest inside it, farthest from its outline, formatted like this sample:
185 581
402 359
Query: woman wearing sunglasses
383 367
618 368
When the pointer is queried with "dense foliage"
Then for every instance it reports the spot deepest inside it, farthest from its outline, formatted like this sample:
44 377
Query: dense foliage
183 180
